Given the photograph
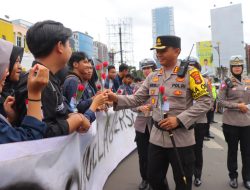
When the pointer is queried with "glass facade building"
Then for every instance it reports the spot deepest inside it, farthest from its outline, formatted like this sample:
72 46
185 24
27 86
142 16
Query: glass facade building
162 23
83 42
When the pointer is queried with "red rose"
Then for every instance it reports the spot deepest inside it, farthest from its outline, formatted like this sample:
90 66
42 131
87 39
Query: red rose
99 87
26 101
105 64
161 90
103 76
80 87
165 98
119 91
98 67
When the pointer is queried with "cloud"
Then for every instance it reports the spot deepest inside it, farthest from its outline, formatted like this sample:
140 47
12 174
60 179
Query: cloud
191 17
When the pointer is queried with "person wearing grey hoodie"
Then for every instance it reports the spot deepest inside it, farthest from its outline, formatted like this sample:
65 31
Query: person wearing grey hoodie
12 79
32 126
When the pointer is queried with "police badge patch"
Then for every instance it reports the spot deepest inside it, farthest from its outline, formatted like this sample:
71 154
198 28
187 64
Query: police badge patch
196 76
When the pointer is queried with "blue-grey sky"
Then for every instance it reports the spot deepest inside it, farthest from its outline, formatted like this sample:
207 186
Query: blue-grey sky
192 18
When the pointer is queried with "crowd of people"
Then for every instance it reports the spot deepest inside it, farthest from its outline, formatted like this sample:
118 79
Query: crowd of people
175 104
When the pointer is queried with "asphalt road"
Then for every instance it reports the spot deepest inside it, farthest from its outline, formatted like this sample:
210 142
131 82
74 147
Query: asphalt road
215 176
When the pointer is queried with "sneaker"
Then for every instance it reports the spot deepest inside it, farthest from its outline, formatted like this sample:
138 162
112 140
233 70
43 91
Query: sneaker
197 182
143 184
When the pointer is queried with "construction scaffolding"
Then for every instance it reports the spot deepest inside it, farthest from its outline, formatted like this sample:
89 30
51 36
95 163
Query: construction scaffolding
120 41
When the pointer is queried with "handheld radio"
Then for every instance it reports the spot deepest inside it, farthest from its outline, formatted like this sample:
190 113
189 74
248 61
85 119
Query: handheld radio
184 65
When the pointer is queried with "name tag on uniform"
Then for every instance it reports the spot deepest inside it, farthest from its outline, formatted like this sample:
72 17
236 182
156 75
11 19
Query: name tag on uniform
165 106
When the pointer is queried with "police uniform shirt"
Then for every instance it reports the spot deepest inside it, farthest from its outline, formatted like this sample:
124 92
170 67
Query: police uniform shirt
231 97
142 120
180 93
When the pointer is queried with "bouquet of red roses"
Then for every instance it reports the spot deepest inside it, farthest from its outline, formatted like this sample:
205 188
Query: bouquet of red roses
101 73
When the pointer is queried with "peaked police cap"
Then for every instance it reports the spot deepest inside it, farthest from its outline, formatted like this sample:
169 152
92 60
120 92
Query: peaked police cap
163 42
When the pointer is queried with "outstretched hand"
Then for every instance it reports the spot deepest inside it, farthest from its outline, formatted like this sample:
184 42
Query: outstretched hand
112 97
99 100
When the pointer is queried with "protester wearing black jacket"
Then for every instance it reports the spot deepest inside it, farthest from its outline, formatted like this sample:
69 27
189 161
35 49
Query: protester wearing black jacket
48 41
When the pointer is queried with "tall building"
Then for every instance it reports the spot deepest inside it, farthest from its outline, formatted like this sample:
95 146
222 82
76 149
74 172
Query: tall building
83 42
100 51
227 34
162 23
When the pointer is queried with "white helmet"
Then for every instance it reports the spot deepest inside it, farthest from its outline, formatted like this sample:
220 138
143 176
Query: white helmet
148 63
236 60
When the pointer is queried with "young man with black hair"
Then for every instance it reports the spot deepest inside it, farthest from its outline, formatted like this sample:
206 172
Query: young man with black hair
109 82
80 72
125 88
48 41
123 71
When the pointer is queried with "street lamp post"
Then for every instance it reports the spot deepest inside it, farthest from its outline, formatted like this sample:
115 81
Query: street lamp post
217 48
247 56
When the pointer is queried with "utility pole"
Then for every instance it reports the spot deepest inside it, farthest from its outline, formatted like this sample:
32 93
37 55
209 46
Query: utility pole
120 36
247 57
218 50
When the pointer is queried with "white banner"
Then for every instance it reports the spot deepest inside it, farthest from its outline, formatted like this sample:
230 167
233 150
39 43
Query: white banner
76 161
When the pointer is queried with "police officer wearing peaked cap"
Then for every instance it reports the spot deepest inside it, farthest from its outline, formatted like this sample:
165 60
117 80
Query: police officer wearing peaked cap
234 96
178 106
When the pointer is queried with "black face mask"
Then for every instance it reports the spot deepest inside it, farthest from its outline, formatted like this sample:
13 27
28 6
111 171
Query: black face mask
237 76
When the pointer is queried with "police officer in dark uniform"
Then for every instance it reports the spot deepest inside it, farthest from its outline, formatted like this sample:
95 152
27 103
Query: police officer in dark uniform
180 85
234 95
143 124
200 130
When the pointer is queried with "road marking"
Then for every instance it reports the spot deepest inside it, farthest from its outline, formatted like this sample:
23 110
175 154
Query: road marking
217 132
212 144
